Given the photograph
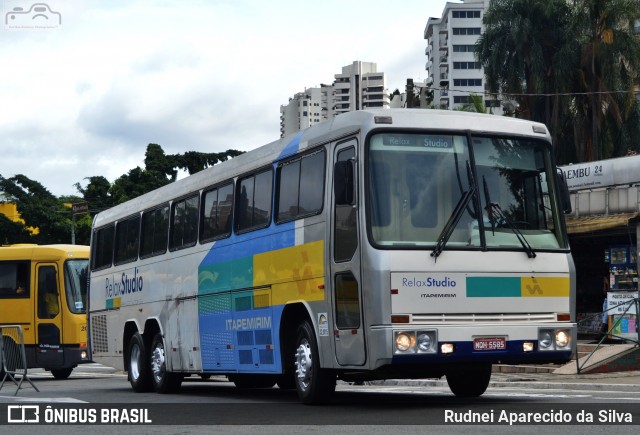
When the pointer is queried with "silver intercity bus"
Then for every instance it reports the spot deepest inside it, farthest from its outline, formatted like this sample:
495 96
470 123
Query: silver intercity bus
380 244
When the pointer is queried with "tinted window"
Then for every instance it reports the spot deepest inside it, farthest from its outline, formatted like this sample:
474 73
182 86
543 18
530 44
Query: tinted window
347 302
184 223
216 213
48 306
127 238
103 249
14 279
155 230
254 201
300 187
346 230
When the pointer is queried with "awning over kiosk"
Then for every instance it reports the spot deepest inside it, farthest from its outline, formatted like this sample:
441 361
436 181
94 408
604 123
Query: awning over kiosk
588 224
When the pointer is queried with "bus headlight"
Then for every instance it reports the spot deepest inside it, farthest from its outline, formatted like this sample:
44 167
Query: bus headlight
426 341
544 340
554 339
405 342
562 339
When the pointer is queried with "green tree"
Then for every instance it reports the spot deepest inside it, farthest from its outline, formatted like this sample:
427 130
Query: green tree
476 105
13 232
571 65
608 67
97 193
193 161
39 209
526 51
159 170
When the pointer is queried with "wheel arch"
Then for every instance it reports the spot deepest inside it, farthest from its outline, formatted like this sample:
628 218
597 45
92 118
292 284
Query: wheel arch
131 327
292 316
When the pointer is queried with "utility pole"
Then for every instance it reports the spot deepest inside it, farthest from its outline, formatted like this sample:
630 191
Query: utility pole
409 91
78 208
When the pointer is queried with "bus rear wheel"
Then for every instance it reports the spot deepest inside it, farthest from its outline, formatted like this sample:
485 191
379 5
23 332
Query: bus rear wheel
313 384
61 373
163 381
138 365
469 381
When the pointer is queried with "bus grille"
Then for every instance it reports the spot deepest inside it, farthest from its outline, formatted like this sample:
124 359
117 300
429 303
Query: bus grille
100 341
485 318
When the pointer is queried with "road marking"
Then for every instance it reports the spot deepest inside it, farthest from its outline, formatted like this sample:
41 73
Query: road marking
5 399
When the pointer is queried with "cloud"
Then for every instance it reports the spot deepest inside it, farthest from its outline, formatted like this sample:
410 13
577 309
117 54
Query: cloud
86 99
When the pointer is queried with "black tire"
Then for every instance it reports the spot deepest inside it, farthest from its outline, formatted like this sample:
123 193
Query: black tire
164 382
470 381
138 365
61 374
253 381
313 384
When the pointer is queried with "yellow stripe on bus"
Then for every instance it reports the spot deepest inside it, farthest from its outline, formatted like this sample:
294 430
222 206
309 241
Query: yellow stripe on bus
295 273
533 287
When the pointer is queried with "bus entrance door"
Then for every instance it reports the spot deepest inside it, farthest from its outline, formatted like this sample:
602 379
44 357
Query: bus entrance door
49 352
345 265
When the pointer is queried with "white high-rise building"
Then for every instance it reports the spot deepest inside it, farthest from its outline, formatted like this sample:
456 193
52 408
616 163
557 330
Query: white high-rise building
304 110
358 86
453 73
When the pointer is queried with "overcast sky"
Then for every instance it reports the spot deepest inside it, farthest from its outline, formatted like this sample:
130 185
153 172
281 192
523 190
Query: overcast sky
86 97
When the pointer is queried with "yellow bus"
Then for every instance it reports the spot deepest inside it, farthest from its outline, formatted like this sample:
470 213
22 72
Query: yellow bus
43 288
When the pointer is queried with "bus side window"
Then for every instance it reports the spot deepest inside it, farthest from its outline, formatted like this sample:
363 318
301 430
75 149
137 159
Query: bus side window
253 209
14 279
48 306
102 252
184 223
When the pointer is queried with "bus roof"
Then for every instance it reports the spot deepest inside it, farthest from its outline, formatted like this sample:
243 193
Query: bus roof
341 126
42 252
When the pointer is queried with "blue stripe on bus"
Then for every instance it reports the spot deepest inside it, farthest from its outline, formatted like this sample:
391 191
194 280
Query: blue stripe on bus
234 335
292 147
464 352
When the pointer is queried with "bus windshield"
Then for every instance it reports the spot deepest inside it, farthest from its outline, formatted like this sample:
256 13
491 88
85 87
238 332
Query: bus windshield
75 283
417 180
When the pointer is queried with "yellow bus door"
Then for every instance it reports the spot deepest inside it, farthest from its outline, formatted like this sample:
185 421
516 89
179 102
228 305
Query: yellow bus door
49 353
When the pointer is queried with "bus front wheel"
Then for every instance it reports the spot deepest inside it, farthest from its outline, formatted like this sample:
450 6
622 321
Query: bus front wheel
163 380
61 373
469 381
314 384
138 364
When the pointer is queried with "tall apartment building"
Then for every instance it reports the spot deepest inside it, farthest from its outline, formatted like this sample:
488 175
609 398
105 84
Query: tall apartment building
453 73
304 110
358 86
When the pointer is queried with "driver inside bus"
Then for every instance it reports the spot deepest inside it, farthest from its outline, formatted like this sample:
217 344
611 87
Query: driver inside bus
20 290
49 308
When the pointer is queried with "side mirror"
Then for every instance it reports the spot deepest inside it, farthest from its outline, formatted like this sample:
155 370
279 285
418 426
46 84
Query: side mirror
343 183
565 196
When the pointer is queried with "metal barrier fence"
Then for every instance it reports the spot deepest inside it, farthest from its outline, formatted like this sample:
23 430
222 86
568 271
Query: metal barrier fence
631 307
13 360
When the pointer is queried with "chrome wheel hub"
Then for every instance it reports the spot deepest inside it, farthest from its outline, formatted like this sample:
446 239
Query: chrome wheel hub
157 363
304 365
134 363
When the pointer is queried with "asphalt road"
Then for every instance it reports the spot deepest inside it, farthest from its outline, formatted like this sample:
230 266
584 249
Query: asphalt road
217 406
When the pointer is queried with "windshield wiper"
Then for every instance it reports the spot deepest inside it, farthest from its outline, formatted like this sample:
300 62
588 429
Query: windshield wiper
453 220
492 219
495 214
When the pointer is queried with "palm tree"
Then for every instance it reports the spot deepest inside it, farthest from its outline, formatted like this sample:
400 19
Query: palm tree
526 52
609 65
